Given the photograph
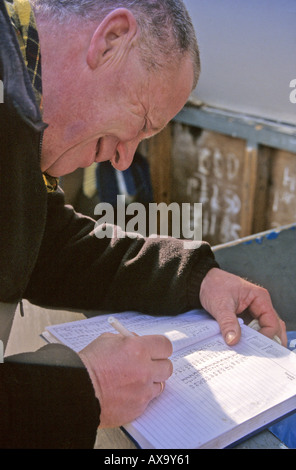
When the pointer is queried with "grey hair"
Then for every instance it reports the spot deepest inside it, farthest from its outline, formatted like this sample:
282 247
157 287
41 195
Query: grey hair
166 29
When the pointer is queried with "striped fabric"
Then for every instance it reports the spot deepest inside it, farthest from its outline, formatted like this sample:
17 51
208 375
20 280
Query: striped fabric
24 23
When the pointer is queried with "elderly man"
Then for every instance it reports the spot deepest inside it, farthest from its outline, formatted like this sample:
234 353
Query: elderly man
113 73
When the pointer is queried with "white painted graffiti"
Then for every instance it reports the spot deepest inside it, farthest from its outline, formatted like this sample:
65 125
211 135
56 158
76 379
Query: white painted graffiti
287 193
221 203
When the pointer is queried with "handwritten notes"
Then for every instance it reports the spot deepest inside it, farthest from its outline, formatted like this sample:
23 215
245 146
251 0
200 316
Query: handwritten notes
215 389
194 326
217 393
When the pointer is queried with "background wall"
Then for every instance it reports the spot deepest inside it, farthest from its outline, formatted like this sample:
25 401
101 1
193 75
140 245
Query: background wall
248 55
233 146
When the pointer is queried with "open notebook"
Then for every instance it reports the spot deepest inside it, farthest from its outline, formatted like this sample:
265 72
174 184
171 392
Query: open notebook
217 394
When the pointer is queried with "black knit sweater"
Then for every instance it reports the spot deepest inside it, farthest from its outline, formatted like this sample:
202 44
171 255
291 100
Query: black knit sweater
50 255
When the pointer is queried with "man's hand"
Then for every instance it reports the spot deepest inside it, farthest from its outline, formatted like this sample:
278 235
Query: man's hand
225 295
127 373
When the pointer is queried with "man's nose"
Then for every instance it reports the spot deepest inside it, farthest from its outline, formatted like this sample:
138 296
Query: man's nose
125 152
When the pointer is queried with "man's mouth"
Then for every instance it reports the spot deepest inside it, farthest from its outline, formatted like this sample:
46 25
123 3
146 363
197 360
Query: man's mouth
98 147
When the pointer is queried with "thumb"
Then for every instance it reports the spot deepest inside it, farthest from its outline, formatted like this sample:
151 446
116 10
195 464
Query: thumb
230 327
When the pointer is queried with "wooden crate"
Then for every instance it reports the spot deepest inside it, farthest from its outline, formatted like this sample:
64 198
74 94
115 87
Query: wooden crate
244 189
219 172
281 207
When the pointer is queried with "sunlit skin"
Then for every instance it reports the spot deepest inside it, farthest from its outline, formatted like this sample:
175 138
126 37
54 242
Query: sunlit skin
99 100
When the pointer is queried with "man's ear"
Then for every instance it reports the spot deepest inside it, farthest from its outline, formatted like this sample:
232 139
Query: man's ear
114 33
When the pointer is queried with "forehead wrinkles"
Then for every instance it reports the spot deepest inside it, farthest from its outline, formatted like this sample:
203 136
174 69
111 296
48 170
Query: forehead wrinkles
158 110
172 91
137 98
154 103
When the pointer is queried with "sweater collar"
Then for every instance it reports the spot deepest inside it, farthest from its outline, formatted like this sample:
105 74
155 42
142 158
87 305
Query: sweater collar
23 20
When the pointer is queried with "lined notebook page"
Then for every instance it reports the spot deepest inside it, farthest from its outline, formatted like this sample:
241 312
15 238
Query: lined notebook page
214 388
182 330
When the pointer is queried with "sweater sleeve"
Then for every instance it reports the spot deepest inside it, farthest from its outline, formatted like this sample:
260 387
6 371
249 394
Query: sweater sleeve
47 401
77 269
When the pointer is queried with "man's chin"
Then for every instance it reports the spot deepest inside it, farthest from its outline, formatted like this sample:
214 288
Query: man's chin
67 164
57 172
53 174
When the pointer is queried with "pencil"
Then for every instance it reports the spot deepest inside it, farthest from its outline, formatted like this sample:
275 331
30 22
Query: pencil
119 327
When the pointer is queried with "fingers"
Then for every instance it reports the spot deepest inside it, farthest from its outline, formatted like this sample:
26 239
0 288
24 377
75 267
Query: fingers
274 332
270 323
225 296
159 345
229 326
260 307
218 296
161 367
159 388
127 373
266 331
